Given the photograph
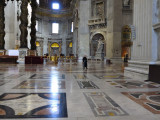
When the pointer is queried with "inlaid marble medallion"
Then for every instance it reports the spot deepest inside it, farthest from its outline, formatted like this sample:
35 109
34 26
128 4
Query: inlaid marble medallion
103 105
33 105
48 76
149 100
43 84
87 85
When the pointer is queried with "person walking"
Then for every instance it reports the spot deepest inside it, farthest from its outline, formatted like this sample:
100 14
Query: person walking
85 62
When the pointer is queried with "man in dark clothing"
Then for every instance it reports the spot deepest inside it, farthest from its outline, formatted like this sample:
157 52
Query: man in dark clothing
84 62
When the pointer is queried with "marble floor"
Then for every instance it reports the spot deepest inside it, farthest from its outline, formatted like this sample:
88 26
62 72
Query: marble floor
67 92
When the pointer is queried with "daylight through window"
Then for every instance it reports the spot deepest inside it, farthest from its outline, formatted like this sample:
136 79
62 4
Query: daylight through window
55 6
55 28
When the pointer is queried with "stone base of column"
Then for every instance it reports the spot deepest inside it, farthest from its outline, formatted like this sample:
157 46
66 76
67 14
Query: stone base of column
137 69
22 53
32 52
2 52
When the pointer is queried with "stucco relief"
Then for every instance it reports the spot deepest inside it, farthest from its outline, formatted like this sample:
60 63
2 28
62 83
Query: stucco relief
97 8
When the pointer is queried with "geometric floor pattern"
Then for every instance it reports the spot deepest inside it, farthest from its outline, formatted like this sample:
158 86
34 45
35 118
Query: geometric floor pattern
2 82
13 76
132 84
87 85
103 105
47 76
67 92
80 76
43 84
40 105
111 77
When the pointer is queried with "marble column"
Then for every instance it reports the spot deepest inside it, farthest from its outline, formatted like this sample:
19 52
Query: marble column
24 24
2 25
33 25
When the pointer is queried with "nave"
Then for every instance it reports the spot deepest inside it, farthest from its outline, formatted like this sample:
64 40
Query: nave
67 92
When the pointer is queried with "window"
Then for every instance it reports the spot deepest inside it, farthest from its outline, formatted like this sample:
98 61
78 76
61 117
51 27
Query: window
55 6
36 25
55 28
37 1
72 27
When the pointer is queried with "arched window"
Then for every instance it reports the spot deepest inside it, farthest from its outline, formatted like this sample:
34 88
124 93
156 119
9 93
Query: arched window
55 45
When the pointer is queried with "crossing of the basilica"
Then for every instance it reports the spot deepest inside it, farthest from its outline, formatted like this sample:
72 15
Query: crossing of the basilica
79 59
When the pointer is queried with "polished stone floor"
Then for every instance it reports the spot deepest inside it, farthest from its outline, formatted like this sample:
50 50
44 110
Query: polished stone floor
67 92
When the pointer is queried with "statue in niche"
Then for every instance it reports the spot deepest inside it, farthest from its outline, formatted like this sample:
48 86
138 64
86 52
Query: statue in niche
100 45
126 2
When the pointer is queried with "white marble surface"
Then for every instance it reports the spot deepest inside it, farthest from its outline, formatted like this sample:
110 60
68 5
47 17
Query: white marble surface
77 105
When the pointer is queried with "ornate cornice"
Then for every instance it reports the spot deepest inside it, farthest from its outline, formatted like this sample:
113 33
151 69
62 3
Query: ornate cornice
98 26
97 23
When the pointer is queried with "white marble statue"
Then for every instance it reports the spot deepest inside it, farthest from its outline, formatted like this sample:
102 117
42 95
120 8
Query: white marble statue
100 45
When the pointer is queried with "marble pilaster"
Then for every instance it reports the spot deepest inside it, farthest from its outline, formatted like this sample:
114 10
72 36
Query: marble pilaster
114 25
145 48
83 29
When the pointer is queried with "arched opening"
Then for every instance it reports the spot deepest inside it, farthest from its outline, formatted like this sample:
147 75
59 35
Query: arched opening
37 44
97 47
70 49
55 49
